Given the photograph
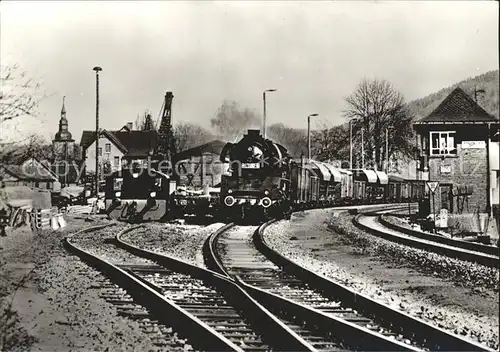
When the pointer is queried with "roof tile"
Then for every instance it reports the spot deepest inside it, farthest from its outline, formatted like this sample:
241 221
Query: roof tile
458 106
131 143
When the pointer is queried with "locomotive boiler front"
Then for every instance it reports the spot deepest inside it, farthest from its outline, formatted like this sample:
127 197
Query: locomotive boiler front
253 152
259 174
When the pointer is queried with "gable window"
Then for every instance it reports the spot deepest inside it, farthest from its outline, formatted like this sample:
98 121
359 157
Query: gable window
117 161
443 143
100 151
108 147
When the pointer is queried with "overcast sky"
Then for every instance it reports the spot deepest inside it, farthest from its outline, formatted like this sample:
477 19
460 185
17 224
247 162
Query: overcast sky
313 53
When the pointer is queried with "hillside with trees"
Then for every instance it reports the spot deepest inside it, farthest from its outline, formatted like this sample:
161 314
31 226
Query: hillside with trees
489 82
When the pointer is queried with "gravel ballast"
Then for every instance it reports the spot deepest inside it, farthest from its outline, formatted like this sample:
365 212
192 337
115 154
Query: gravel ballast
454 295
48 303
179 241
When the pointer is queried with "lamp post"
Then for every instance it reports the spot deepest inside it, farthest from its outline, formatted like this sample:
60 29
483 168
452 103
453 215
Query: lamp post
264 100
309 135
97 69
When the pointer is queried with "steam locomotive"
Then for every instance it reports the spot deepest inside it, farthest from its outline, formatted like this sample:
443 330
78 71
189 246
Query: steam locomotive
258 184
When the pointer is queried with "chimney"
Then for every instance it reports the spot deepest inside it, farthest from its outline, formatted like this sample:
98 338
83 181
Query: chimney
479 96
130 126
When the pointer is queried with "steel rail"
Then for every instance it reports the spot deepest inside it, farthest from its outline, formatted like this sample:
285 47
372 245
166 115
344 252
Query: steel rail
433 335
471 246
149 296
271 328
356 336
433 243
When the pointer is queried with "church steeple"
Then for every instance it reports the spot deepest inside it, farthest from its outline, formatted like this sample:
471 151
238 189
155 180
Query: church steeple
63 134
63 109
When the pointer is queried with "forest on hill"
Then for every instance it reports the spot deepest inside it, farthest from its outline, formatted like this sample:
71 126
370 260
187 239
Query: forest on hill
489 82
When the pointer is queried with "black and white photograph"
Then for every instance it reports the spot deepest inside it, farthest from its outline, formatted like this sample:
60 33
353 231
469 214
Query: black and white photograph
249 175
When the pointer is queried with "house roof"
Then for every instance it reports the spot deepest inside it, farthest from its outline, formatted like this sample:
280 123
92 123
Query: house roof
214 147
131 143
458 107
44 165
29 172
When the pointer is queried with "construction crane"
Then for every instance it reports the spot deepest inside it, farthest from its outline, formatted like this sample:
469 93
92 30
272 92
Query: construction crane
166 143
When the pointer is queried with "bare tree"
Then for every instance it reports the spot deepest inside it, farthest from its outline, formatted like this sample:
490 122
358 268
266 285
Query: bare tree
294 140
35 146
231 121
19 94
378 107
331 144
145 122
189 135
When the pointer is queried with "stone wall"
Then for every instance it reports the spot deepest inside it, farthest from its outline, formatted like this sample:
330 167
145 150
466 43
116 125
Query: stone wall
468 168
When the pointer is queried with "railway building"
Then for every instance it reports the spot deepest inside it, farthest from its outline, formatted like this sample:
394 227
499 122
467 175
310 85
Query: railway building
200 166
458 147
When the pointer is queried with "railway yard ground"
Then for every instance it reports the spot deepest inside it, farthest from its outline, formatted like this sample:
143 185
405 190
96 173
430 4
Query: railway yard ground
459 296
48 297
50 300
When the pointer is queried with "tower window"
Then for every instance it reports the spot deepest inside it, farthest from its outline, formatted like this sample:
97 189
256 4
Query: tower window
108 147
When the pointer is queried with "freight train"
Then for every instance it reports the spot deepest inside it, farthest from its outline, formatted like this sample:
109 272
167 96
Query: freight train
263 181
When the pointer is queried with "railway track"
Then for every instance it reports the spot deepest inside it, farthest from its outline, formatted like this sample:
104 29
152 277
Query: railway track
375 224
169 295
326 314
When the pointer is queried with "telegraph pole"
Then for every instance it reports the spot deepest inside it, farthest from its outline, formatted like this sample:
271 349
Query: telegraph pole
97 69
350 144
386 150
362 149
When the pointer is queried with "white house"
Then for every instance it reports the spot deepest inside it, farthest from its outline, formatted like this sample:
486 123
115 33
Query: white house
116 146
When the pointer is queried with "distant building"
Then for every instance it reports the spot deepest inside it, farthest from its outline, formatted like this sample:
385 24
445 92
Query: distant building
66 154
63 143
201 166
30 173
458 144
115 147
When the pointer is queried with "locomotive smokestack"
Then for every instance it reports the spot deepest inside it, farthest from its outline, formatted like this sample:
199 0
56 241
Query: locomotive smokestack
253 133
